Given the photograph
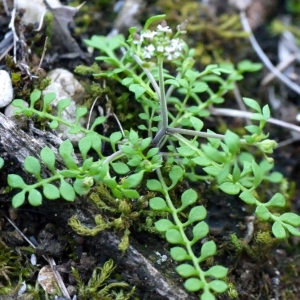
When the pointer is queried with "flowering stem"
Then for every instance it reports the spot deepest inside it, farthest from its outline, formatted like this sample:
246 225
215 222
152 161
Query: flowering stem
163 104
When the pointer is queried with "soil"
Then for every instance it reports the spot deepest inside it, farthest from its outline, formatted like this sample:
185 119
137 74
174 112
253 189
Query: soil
260 267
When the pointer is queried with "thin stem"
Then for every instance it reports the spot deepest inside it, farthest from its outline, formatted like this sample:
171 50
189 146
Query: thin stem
295 87
163 104
247 115
149 75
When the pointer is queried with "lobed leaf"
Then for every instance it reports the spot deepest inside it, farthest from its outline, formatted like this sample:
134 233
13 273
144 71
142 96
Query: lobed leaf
252 104
32 166
218 286
290 218
277 200
18 199
176 174
262 212
98 121
278 230
61 105
48 158
66 151
174 236
120 168
66 191
47 99
187 198
50 191
217 272
232 140
16 181
80 187
133 180
154 185
230 188
186 270
208 249
194 285
179 254
84 146
128 193
197 213
200 231
158 203
197 123
248 197
35 96
163 225
35 197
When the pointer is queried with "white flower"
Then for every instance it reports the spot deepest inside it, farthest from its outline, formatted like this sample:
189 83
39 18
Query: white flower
163 28
178 44
160 48
170 49
148 34
149 51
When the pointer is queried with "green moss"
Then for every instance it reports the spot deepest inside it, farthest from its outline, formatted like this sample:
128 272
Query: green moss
98 287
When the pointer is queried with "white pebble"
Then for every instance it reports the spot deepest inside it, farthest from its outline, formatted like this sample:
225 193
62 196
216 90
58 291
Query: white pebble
6 89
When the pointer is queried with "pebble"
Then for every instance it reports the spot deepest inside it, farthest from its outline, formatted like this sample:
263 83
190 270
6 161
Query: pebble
6 89
65 85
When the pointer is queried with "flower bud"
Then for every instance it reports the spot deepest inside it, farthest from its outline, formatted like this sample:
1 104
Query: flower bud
267 146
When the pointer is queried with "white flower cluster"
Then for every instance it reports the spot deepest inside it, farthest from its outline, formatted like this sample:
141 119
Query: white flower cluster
159 42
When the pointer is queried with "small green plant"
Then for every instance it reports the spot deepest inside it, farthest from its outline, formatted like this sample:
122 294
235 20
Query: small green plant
169 142
97 288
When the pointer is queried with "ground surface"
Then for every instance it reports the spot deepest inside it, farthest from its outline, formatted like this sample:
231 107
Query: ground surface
262 268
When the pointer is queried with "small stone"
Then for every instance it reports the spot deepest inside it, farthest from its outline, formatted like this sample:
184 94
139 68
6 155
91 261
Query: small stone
6 89
65 85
